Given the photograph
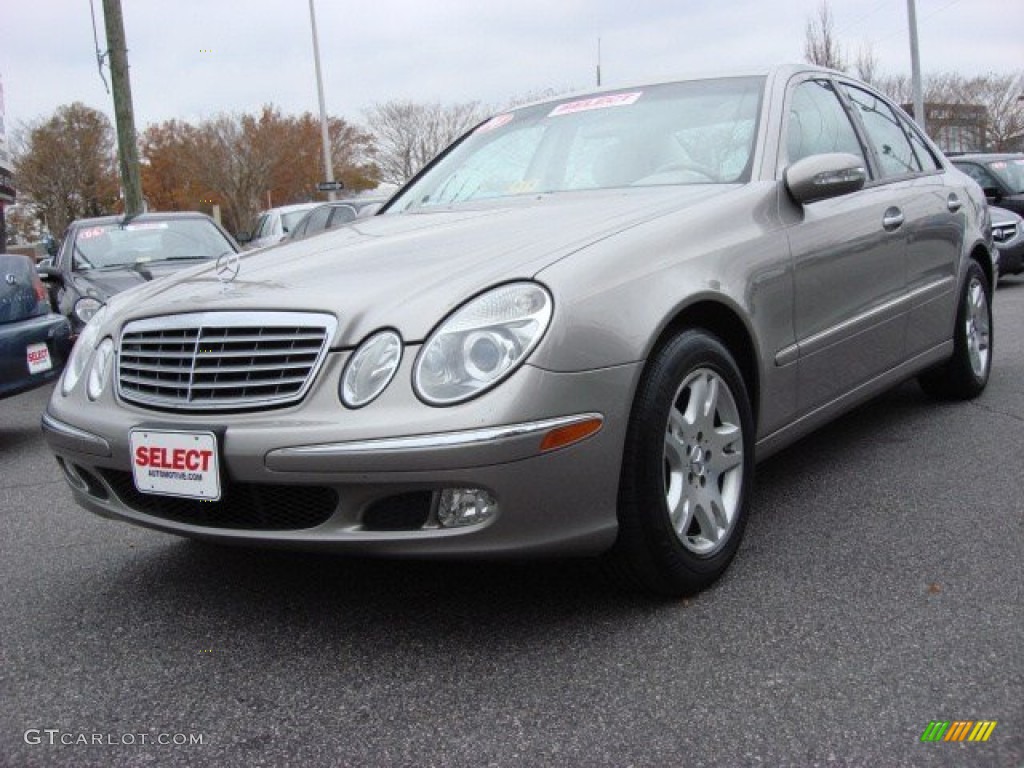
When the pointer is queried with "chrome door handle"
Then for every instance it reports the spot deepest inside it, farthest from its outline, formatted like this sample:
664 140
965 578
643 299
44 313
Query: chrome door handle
954 204
892 219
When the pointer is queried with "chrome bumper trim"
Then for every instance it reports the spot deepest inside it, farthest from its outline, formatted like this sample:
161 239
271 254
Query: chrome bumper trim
463 439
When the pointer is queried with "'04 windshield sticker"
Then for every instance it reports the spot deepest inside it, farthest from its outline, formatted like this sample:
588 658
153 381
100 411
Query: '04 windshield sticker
598 102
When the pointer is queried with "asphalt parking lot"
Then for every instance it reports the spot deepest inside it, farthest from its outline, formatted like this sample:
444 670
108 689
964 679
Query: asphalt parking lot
880 587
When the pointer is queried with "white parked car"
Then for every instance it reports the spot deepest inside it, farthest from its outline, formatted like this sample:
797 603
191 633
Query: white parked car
273 224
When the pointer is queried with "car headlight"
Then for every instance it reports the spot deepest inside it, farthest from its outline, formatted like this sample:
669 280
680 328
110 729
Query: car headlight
86 308
482 343
371 369
82 352
99 372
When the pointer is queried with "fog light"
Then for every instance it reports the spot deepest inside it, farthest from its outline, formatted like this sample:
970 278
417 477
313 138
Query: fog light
465 506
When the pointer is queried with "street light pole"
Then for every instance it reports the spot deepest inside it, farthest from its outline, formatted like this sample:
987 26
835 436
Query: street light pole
915 67
324 135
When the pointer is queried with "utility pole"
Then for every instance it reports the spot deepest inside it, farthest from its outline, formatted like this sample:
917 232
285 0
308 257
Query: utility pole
915 68
124 116
324 135
599 62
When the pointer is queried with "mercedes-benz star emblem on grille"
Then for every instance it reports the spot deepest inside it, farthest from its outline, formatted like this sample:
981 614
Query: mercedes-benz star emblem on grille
228 266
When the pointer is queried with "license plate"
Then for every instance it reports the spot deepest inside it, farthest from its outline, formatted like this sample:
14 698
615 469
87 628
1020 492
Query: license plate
171 463
38 357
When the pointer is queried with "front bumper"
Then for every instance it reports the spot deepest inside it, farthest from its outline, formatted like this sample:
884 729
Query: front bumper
1011 256
317 476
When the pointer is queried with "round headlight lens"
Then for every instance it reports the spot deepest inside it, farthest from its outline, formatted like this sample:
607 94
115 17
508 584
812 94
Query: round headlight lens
82 352
371 368
482 343
86 308
99 372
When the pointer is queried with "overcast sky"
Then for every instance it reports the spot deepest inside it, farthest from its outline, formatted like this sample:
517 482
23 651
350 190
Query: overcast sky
192 59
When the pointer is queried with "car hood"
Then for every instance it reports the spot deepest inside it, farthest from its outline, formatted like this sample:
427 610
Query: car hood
104 283
407 271
1001 216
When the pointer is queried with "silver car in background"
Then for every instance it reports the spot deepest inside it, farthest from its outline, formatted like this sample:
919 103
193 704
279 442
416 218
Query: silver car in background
572 333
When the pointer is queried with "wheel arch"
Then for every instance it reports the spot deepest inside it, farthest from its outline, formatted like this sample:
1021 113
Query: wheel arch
984 259
728 326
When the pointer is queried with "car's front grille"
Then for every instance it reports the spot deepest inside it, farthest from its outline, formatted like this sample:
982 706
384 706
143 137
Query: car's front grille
222 360
1004 233
242 506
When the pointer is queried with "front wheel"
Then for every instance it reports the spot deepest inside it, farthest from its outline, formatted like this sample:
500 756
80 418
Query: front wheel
966 373
687 469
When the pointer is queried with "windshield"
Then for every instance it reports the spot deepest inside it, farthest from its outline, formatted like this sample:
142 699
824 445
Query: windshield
699 132
116 245
1011 172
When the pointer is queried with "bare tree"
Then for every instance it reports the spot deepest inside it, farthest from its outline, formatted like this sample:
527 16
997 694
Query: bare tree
408 135
866 64
999 95
821 46
1002 96
65 165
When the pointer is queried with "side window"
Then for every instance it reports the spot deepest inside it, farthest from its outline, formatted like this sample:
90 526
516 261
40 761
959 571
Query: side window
818 124
927 158
895 153
342 214
317 220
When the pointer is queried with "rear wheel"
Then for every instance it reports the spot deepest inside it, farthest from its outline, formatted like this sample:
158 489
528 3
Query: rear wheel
966 373
687 469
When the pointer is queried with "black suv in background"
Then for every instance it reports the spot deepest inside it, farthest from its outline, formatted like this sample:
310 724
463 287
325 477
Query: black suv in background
1000 175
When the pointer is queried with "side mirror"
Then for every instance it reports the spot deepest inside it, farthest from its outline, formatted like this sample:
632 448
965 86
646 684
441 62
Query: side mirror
244 237
46 270
820 177
52 246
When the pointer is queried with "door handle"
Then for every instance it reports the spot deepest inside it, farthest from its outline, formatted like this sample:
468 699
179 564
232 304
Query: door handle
954 204
892 219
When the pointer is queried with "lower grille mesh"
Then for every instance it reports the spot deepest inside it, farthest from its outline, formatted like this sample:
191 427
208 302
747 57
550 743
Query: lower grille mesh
241 507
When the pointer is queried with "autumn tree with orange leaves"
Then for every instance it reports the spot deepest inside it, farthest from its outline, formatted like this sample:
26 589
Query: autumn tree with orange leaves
245 163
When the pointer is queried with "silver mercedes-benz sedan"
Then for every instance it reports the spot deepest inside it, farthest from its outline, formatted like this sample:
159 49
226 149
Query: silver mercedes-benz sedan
573 333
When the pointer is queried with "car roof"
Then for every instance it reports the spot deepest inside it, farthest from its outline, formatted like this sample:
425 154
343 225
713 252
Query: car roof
148 216
289 208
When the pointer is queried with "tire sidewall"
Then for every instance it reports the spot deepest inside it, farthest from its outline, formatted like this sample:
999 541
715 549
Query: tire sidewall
972 382
644 515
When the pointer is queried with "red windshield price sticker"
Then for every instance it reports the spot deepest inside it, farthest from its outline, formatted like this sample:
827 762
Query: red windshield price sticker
598 102
176 463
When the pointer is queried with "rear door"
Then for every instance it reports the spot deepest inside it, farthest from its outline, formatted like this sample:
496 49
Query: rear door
931 207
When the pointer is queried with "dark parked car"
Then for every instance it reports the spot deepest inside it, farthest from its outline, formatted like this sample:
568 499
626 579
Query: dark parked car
1008 234
574 332
332 215
1000 175
34 342
104 256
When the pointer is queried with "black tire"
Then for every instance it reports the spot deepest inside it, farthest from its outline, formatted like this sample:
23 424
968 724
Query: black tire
675 469
966 373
